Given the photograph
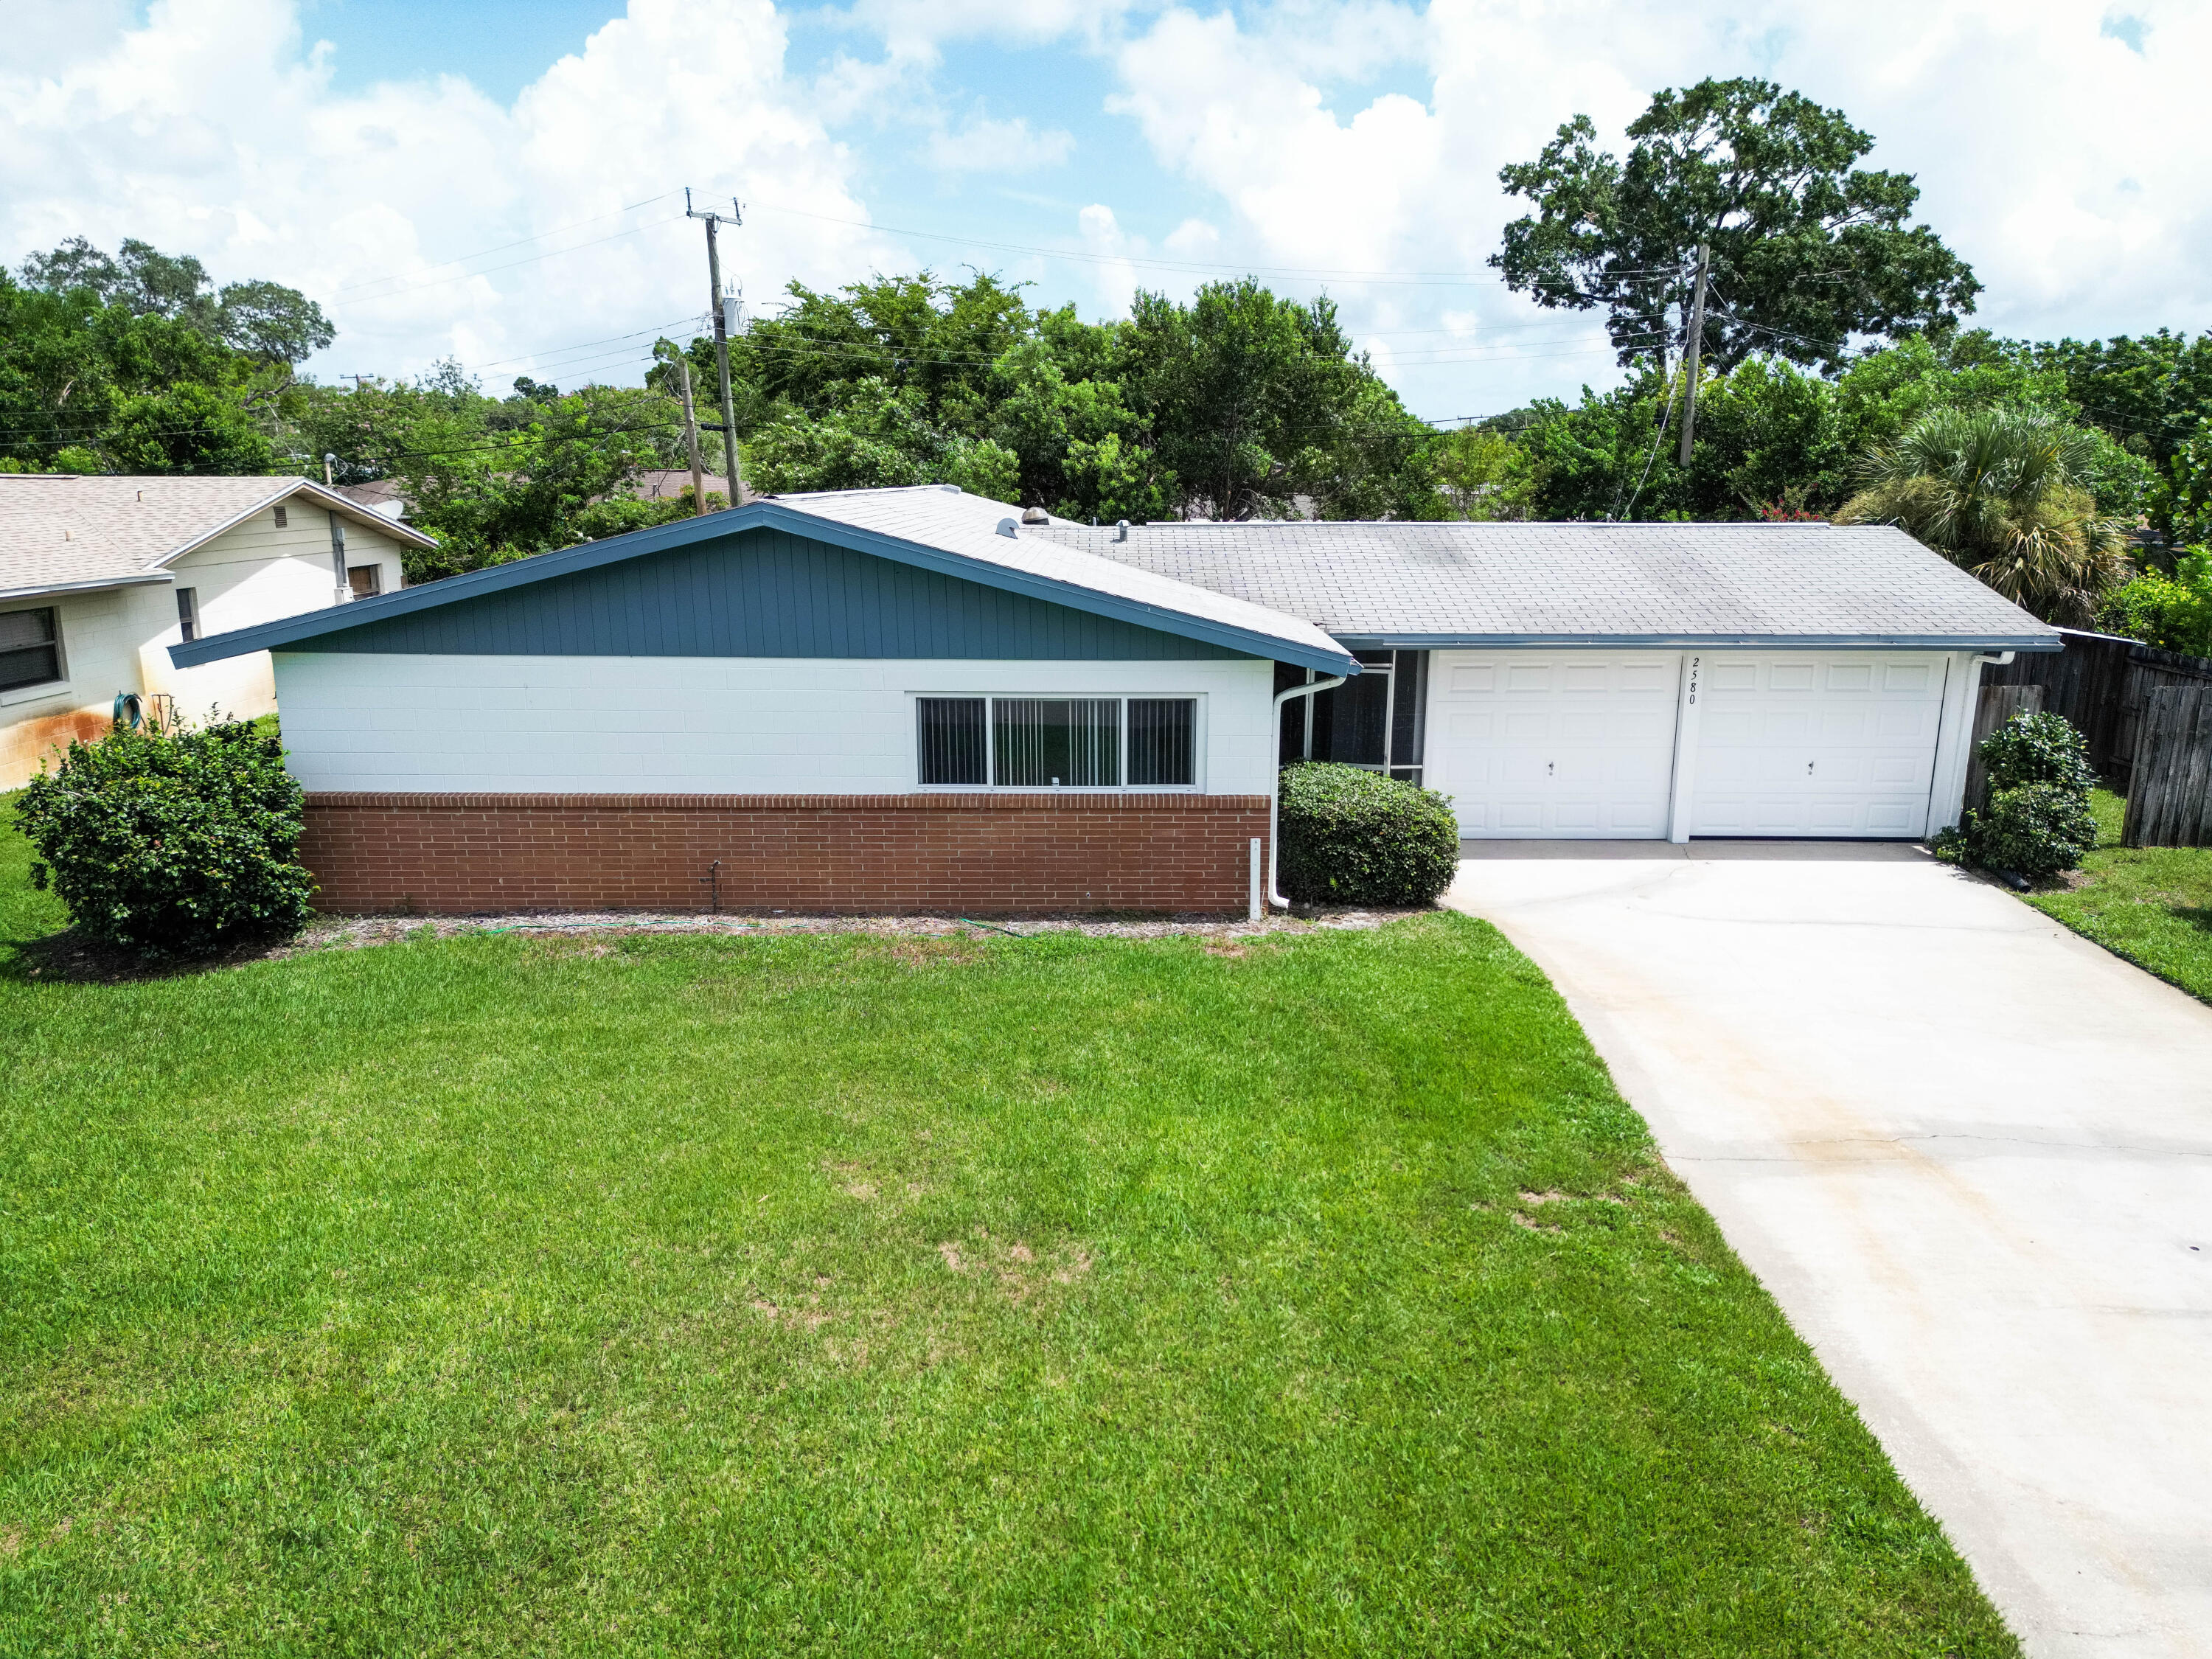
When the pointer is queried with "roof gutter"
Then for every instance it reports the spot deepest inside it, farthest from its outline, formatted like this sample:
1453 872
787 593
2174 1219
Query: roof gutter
101 585
1352 642
1275 788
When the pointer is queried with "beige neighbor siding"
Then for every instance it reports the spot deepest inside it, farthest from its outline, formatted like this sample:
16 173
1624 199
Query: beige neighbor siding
118 639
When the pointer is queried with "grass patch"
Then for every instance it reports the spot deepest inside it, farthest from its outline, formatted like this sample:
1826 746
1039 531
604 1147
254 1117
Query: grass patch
830 1294
2152 905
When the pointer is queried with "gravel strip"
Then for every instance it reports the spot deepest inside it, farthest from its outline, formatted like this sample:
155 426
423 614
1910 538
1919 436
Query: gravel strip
354 932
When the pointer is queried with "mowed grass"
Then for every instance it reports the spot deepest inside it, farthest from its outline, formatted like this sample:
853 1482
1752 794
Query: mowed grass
637 1295
2152 905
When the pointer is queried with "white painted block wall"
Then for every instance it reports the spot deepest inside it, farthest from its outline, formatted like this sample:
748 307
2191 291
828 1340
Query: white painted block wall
702 725
118 639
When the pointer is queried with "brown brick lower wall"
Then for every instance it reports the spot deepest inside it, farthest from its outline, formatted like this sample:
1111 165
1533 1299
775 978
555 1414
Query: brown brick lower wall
1006 855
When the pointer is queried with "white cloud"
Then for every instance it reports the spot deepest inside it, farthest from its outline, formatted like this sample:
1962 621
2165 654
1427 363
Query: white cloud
2061 161
984 146
2057 142
1115 278
214 130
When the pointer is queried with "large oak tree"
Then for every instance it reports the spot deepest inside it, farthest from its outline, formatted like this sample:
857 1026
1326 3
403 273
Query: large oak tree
1808 249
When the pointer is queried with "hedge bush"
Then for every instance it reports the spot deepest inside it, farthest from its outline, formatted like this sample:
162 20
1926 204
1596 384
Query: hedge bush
2038 748
169 843
1351 836
2036 821
2035 829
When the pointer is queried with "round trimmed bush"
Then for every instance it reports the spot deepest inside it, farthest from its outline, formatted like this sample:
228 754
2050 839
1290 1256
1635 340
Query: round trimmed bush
1353 836
172 843
2038 748
2036 829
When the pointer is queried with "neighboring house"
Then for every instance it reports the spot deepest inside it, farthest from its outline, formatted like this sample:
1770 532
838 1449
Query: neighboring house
98 575
664 486
385 497
915 698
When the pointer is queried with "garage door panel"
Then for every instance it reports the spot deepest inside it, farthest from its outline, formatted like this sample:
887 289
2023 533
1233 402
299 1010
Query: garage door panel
1817 745
1568 743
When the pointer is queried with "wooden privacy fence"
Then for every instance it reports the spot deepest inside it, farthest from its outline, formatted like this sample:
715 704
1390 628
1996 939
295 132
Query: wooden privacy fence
2170 796
1998 704
2103 685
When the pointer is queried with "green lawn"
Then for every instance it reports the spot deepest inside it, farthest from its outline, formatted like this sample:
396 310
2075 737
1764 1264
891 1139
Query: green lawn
845 1294
2152 905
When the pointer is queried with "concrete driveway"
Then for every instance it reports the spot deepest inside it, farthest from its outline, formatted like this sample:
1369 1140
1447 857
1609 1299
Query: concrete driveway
1970 1153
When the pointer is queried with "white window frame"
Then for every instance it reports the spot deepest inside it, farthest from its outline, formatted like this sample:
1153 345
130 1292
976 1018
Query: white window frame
1198 743
42 689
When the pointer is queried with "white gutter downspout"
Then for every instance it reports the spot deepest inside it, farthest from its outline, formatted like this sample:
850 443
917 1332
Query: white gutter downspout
1275 788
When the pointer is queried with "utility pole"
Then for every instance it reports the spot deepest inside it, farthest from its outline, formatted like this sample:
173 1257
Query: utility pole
691 438
725 308
1690 359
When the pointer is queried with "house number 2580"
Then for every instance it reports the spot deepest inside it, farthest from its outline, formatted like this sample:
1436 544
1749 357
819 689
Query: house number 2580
1694 662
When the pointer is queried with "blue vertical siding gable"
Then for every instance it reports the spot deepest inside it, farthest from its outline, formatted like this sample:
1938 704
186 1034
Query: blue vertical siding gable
761 592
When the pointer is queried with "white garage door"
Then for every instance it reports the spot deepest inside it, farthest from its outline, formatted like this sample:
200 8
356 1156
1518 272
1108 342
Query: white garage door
1809 745
1567 744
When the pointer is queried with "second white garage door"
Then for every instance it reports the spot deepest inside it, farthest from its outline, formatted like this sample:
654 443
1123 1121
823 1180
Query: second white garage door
1570 744
1806 745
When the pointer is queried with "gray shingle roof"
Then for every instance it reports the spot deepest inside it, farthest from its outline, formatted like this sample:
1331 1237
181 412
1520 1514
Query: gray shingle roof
1496 583
59 532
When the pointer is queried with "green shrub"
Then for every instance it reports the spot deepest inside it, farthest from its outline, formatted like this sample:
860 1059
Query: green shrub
1351 836
168 842
2173 613
2037 820
2038 748
2036 829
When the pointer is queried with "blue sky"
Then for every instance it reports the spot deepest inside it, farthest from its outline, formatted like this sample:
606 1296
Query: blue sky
360 148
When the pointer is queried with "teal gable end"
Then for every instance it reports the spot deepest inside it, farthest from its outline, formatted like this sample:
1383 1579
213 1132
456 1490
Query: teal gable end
761 593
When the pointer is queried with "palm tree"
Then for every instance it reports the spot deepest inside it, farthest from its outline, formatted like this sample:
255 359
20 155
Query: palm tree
1997 491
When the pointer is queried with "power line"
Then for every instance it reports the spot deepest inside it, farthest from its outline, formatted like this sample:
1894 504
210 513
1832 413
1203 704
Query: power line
512 264
482 252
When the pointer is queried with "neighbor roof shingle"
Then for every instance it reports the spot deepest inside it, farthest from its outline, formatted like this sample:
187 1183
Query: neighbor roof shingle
66 530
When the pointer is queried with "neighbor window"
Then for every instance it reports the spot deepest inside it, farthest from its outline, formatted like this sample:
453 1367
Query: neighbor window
30 648
1058 742
188 614
367 580
283 517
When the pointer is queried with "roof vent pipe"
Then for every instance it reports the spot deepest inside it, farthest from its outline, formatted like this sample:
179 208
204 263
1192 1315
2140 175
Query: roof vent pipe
1007 528
1036 515
1120 530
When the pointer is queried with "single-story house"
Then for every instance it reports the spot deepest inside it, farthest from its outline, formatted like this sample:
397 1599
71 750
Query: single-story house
99 575
916 698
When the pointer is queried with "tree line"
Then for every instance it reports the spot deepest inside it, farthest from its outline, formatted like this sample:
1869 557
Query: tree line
1838 379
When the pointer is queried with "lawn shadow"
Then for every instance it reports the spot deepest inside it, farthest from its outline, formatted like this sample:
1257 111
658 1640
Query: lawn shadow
70 958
